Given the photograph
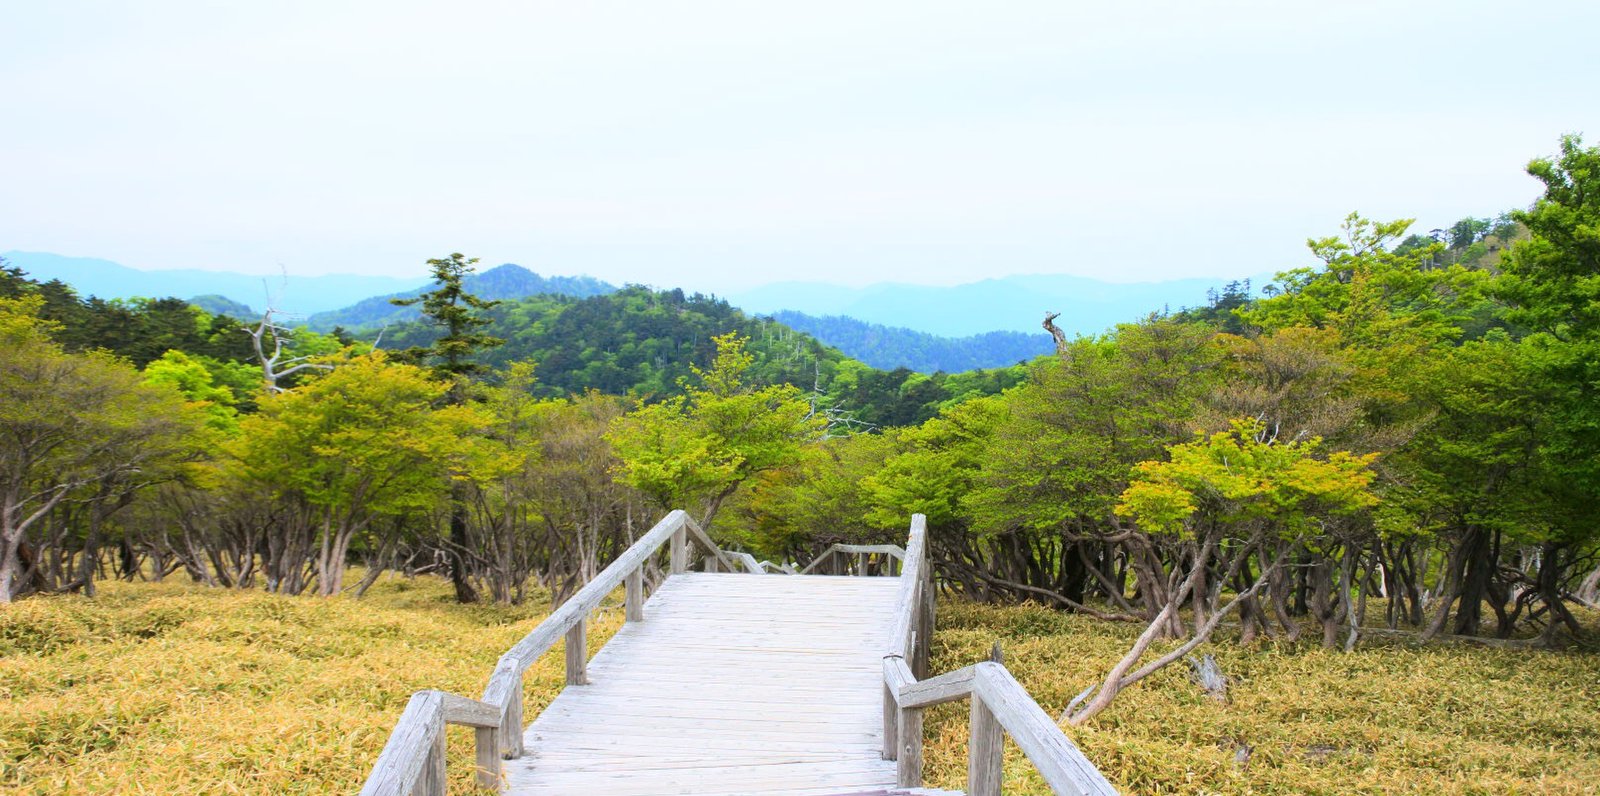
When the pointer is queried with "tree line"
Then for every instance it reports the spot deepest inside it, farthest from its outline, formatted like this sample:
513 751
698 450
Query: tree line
1413 424
1410 427
327 452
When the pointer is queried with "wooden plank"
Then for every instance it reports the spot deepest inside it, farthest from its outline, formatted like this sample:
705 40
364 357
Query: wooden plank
633 609
736 685
432 782
679 560
577 653
486 760
947 687
1056 757
984 752
711 547
468 712
401 763
908 763
505 690
906 607
893 550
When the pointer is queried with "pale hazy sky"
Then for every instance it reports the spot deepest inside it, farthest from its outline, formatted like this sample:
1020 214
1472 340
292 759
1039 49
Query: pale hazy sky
716 145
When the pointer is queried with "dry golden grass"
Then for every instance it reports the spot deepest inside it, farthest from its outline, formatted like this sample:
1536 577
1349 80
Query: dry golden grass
171 688
1384 719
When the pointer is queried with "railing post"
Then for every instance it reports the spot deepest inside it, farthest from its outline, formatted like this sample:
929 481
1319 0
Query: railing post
432 781
984 751
891 723
680 550
488 759
511 723
711 562
922 649
908 762
578 653
634 605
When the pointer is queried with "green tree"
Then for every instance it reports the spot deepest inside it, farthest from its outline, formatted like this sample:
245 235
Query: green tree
189 376
452 356
362 442
459 315
77 427
794 513
1226 498
1552 281
700 447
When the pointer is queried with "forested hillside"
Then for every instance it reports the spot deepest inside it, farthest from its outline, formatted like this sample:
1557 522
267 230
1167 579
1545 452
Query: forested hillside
645 343
894 347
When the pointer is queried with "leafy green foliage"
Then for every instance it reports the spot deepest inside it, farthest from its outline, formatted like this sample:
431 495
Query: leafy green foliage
140 330
197 381
362 440
78 428
457 313
701 446
1244 475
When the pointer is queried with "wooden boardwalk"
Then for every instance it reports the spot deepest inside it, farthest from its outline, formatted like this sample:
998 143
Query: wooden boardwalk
748 683
732 684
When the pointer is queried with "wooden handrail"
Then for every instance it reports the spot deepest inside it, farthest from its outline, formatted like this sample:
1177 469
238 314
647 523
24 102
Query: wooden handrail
914 587
859 550
1000 705
412 762
413 759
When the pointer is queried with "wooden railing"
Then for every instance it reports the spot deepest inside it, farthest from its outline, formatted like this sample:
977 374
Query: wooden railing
412 762
1000 705
858 559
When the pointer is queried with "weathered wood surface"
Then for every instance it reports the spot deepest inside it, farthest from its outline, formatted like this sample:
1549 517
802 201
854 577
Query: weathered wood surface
732 684
1038 735
401 772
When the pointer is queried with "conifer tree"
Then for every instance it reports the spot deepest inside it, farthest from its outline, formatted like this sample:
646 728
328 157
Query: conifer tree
459 314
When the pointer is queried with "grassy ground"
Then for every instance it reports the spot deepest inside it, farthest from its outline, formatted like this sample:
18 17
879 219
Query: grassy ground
170 688
1385 719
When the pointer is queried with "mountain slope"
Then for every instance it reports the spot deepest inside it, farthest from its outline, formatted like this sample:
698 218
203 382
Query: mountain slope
895 347
503 282
301 295
222 305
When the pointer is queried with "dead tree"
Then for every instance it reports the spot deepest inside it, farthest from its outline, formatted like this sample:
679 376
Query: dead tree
1055 332
276 366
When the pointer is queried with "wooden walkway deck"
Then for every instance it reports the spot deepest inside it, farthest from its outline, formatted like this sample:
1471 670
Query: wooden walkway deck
749 683
732 684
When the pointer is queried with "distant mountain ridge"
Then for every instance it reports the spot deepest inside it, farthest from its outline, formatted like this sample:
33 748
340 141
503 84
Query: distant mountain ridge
1011 303
888 348
985 324
301 295
502 282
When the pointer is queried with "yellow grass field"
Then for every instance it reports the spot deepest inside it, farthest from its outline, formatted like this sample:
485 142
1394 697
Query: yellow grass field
172 688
